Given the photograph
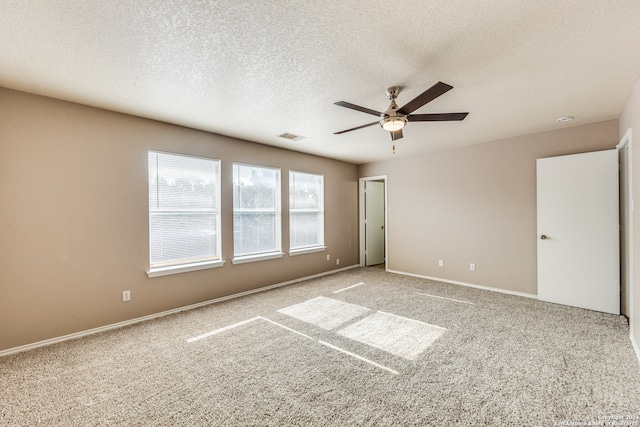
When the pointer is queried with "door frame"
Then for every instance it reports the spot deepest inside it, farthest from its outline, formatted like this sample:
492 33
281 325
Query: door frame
361 182
625 143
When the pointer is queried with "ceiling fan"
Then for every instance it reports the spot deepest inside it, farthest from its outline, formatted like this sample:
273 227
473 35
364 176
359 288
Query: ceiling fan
394 118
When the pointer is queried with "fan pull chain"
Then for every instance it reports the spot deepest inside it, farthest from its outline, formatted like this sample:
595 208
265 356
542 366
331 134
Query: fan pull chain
394 149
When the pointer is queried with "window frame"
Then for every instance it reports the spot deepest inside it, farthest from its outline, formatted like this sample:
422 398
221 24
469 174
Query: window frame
320 211
162 269
259 256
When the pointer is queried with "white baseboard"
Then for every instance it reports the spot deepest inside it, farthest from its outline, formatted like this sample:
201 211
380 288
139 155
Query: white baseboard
81 334
471 285
635 345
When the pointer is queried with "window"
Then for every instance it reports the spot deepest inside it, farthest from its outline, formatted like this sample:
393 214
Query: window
306 212
184 213
256 213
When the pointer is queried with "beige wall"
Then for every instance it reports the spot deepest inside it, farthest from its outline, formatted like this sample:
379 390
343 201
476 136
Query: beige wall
74 218
476 205
630 119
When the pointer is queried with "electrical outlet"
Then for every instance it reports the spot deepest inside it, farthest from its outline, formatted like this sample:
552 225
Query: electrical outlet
126 295
328 257
440 263
472 267
337 261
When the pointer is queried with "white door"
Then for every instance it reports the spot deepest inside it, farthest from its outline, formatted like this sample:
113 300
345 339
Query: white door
578 240
374 222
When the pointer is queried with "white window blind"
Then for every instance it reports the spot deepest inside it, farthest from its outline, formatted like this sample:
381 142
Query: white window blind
256 210
184 209
306 210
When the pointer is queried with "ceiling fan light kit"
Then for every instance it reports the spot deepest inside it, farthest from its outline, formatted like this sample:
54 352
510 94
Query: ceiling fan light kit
393 124
391 120
394 119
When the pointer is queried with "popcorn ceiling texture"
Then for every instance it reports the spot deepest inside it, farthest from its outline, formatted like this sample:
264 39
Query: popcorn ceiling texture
500 360
257 69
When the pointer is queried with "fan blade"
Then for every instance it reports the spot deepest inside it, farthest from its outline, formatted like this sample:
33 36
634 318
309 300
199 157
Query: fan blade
359 127
441 117
357 108
427 96
396 134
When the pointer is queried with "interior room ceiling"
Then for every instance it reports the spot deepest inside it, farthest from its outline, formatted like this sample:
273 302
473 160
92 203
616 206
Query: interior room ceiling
257 69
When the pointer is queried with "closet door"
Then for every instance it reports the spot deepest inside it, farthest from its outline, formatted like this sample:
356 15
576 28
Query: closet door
578 231
374 223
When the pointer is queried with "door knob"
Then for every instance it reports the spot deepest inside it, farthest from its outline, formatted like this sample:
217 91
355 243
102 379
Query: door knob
543 237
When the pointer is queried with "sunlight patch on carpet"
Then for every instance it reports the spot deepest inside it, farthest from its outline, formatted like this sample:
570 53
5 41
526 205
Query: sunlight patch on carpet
397 335
324 312
286 328
348 287
226 328
364 359
445 298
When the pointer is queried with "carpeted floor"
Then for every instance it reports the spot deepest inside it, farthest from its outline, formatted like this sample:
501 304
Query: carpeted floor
358 348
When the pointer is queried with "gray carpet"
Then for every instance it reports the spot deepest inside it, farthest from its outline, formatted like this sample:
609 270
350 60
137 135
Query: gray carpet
393 350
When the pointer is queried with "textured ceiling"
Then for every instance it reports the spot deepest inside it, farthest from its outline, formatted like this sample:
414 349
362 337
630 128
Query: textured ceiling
256 69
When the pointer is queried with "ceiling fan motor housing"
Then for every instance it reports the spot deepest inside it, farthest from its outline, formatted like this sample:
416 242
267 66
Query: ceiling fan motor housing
391 120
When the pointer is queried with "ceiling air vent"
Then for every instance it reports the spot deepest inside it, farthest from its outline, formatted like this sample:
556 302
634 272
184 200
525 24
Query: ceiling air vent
291 136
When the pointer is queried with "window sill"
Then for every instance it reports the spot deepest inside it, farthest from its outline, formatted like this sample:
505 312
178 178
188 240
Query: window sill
303 251
184 268
254 258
